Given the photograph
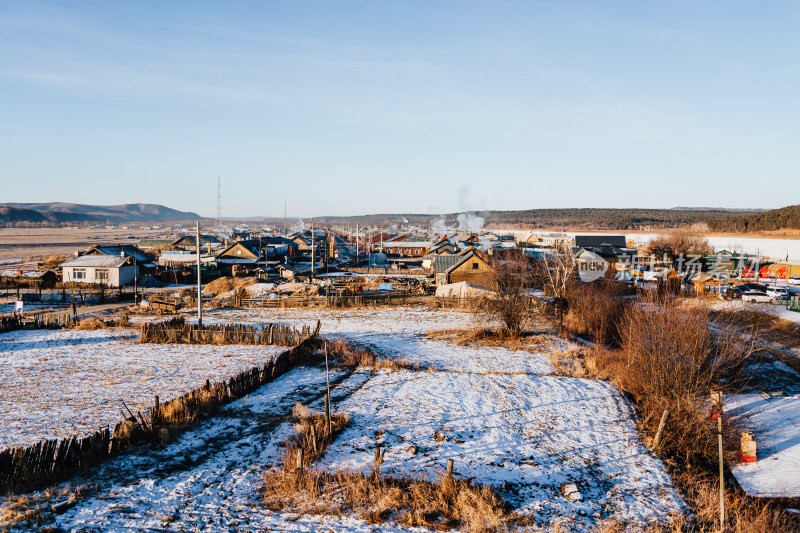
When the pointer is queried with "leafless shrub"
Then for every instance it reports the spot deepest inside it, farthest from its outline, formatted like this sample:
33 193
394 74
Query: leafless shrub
680 242
513 276
674 354
596 310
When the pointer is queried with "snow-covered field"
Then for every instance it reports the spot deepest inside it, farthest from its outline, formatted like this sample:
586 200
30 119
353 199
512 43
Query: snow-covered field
497 413
58 383
775 423
524 434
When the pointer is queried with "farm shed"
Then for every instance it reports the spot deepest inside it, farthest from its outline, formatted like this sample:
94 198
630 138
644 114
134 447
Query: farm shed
36 279
473 266
108 270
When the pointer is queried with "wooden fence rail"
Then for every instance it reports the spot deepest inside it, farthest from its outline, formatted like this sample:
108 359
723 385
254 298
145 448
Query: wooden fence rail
50 461
43 321
177 331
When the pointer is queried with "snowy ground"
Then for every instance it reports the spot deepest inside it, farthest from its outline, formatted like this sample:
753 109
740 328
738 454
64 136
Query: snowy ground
496 412
57 383
524 434
778 310
775 424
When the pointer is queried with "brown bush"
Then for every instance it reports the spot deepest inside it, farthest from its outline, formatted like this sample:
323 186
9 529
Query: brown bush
510 304
596 310
674 355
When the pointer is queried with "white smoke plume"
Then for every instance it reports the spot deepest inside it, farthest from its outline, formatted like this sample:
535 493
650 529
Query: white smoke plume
298 226
439 226
472 222
404 220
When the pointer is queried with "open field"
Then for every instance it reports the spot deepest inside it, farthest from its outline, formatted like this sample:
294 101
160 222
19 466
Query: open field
24 244
497 413
56 383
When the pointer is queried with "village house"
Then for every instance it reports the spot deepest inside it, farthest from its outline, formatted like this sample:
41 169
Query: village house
472 266
189 243
406 249
96 269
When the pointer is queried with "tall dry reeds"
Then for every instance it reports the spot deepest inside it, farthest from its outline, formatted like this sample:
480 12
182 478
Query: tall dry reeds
596 310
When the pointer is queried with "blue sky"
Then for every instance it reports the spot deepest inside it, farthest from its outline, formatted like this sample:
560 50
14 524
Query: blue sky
427 107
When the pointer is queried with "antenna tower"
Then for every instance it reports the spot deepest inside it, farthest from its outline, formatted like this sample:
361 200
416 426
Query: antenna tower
219 204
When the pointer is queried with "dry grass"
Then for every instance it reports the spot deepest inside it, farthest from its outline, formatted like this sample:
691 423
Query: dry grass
481 336
90 324
33 508
312 435
350 355
442 506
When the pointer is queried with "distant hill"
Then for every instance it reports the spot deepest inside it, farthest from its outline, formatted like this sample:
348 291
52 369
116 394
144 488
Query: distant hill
59 212
776 219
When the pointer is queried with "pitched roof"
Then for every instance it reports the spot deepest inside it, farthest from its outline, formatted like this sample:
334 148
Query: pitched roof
116 249
103 261
32 274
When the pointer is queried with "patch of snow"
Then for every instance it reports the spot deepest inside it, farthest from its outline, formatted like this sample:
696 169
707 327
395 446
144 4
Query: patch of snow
775 423
57 383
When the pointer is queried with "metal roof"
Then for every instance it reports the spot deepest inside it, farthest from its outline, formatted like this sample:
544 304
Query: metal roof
586 241
104 261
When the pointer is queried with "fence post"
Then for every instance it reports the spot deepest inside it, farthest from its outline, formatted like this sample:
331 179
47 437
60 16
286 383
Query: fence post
721 478
660 429
449 474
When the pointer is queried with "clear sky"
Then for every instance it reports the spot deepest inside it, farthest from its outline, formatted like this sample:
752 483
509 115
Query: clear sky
342 107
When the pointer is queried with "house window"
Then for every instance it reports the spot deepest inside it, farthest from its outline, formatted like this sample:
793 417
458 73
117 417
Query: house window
416 250
78 273
101 274
238 252
474 266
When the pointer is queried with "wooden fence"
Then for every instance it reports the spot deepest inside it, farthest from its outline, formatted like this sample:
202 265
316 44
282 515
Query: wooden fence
336 301
177 331
52 461
43 321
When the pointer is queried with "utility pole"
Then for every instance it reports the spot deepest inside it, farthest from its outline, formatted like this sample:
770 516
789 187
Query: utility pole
284 218
312 249
357 250
199 288
219 205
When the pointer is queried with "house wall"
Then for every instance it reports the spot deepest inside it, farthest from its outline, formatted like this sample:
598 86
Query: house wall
117 277
466 272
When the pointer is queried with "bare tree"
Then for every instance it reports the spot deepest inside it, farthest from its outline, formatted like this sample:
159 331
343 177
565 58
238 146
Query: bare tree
680 242
514 275
558 273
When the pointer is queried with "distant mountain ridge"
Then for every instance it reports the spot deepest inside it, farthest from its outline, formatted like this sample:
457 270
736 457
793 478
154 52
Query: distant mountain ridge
60 212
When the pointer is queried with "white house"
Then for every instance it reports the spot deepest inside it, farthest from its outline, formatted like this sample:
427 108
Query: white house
109 270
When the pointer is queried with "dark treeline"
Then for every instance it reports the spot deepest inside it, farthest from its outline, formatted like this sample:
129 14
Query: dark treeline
566 218
615 219
784 218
